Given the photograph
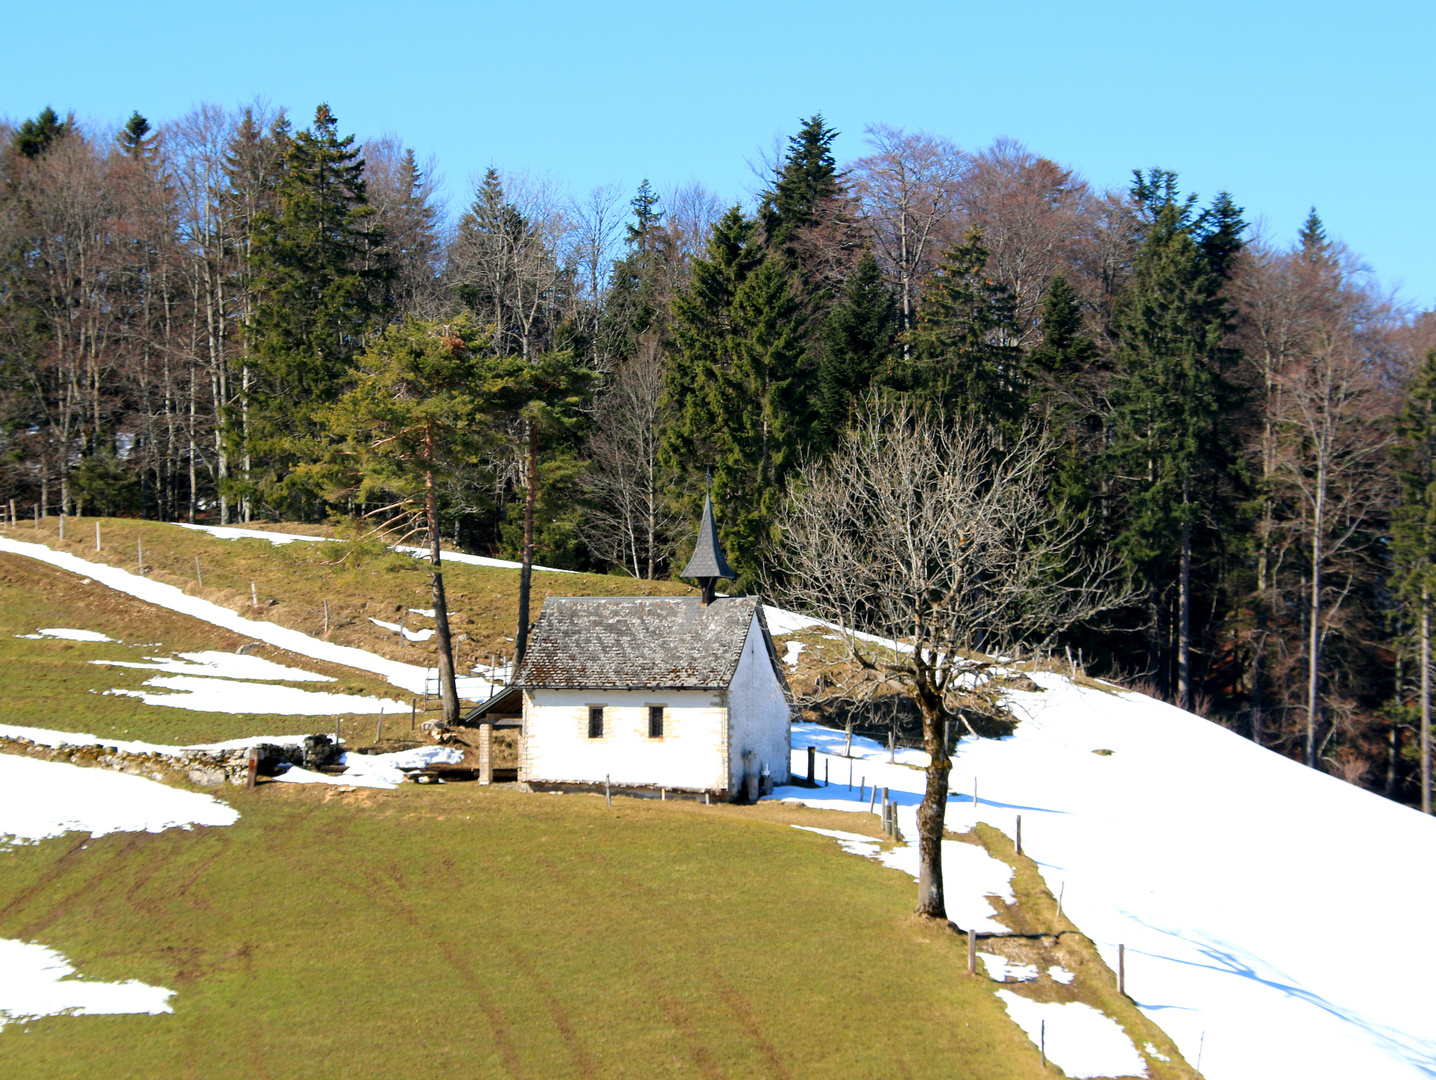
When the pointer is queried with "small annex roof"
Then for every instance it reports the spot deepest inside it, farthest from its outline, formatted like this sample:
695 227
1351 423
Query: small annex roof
501 710
640 643
708 559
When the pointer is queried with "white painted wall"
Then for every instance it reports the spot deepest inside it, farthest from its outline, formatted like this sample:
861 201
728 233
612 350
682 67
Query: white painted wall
759 713
557 749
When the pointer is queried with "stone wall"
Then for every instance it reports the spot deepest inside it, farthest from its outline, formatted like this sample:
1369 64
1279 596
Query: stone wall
203 767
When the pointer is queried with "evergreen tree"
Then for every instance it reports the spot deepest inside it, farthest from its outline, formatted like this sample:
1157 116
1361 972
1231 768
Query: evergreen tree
1219 231
321 283
1414 539
1312 236
1061 369
737 394
808 178
966 361
135 139
858 341
1169 452
423 401
1065 352
33 137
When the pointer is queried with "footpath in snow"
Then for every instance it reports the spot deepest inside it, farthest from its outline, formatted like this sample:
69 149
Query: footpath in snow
1235 878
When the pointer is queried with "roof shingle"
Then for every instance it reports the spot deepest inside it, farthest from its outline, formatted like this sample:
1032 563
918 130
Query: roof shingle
617 643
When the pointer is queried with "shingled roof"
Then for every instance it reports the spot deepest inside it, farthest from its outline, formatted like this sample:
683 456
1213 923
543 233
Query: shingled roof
633 643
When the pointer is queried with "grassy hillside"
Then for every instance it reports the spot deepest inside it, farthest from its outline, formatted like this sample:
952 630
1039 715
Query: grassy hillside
464 931
459 930
294 581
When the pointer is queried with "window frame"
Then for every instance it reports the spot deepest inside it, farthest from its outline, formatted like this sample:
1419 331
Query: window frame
659 713
595 721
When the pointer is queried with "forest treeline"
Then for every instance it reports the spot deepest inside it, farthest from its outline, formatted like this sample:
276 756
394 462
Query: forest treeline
188 314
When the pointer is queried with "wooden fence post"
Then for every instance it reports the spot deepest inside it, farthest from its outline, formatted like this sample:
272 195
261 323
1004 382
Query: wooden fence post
1122 970
1019 834
326 616
253 596
607 790
812 766
972 952
253 767
198 576
379 731
97 536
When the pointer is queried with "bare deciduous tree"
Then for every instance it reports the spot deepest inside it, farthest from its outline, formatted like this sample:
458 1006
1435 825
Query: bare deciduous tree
940 538
907 190
630 523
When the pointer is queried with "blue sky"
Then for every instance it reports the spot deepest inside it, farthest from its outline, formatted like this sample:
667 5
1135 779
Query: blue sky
1287 105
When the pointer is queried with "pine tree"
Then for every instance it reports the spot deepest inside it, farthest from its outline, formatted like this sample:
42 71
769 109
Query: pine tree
422 403
1218 230
320 279
1065 352
1414 538
1312 236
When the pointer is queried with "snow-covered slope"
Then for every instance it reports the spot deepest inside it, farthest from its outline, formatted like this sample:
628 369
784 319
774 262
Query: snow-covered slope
1274 917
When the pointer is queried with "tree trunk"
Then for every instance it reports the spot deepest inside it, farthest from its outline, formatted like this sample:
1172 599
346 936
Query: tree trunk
526 575
448 692
1184 613
1313 660
1426 700
932 811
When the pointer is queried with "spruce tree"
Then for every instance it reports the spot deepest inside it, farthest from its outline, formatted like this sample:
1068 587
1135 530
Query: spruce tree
858 341
320 276
1168 448
737 395
135 139
966 361
1414 539
807 178
33 137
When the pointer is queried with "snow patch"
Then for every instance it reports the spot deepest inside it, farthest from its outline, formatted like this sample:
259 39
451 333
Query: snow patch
222 532
790 657
208 694
409 677
377 770
222 665
395 628
38 981
1000 969
1065 977
1081 1041
970 873
40 799
66 634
